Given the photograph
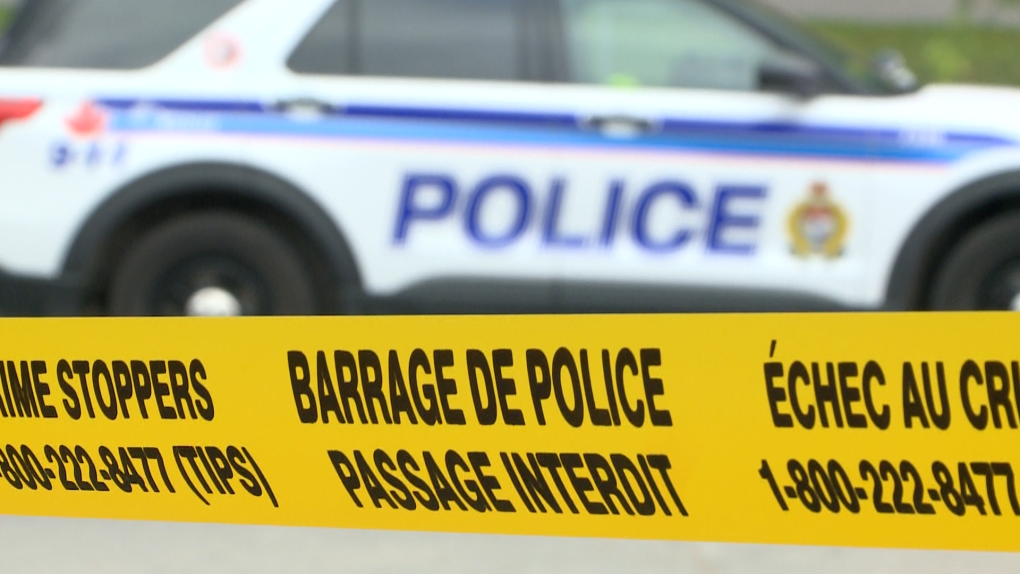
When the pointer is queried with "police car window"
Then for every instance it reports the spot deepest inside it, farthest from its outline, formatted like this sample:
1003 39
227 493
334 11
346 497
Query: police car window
327 49
459 39
661 43
105 34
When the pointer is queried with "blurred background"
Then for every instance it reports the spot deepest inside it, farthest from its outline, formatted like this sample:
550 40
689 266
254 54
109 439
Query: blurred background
943 40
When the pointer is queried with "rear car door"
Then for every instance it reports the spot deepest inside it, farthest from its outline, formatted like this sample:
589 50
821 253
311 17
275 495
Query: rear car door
414 124
695 166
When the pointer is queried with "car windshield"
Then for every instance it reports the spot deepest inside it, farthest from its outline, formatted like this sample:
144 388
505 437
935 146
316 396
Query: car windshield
856 65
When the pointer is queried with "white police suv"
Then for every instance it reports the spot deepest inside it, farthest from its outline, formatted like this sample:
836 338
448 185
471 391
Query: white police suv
362 156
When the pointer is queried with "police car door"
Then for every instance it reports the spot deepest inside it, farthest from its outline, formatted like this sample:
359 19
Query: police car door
687 172
414 123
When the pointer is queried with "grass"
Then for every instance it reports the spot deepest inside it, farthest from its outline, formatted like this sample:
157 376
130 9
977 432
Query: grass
956 52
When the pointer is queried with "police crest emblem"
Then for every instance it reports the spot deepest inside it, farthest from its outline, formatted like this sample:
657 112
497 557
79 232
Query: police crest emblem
818 226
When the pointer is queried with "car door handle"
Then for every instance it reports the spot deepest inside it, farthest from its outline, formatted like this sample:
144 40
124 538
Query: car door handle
614 125
303 106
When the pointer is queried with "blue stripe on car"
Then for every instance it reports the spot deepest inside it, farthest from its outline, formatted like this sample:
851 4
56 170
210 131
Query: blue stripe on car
783 139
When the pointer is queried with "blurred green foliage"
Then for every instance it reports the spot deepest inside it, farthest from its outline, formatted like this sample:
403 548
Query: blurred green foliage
5 17
962 51
966 10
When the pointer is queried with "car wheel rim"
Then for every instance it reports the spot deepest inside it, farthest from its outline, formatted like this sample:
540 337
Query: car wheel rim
1002 290
211 287
213 302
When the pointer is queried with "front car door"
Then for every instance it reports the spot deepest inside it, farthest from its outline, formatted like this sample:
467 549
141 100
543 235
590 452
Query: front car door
695 168
413 123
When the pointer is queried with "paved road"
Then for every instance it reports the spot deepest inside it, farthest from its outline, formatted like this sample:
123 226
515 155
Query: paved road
45 546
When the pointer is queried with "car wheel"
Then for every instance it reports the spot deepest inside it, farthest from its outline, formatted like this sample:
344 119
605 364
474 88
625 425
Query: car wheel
212 264
983 271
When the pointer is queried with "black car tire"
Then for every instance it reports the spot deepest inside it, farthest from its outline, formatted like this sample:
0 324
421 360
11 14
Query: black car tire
982 272
224 251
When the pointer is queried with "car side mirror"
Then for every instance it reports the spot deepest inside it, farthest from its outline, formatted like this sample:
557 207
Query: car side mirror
795 76
891 68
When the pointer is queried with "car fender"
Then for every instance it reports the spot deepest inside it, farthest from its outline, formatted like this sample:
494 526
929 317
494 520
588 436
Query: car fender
940 228
211 185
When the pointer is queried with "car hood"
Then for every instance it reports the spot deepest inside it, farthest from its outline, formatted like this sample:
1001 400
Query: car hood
989 109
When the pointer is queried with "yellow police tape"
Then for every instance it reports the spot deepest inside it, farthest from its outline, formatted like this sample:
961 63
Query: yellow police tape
852 429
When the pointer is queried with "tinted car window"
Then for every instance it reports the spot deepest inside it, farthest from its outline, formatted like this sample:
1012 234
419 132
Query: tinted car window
461 39
661 43
106 34
328 47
